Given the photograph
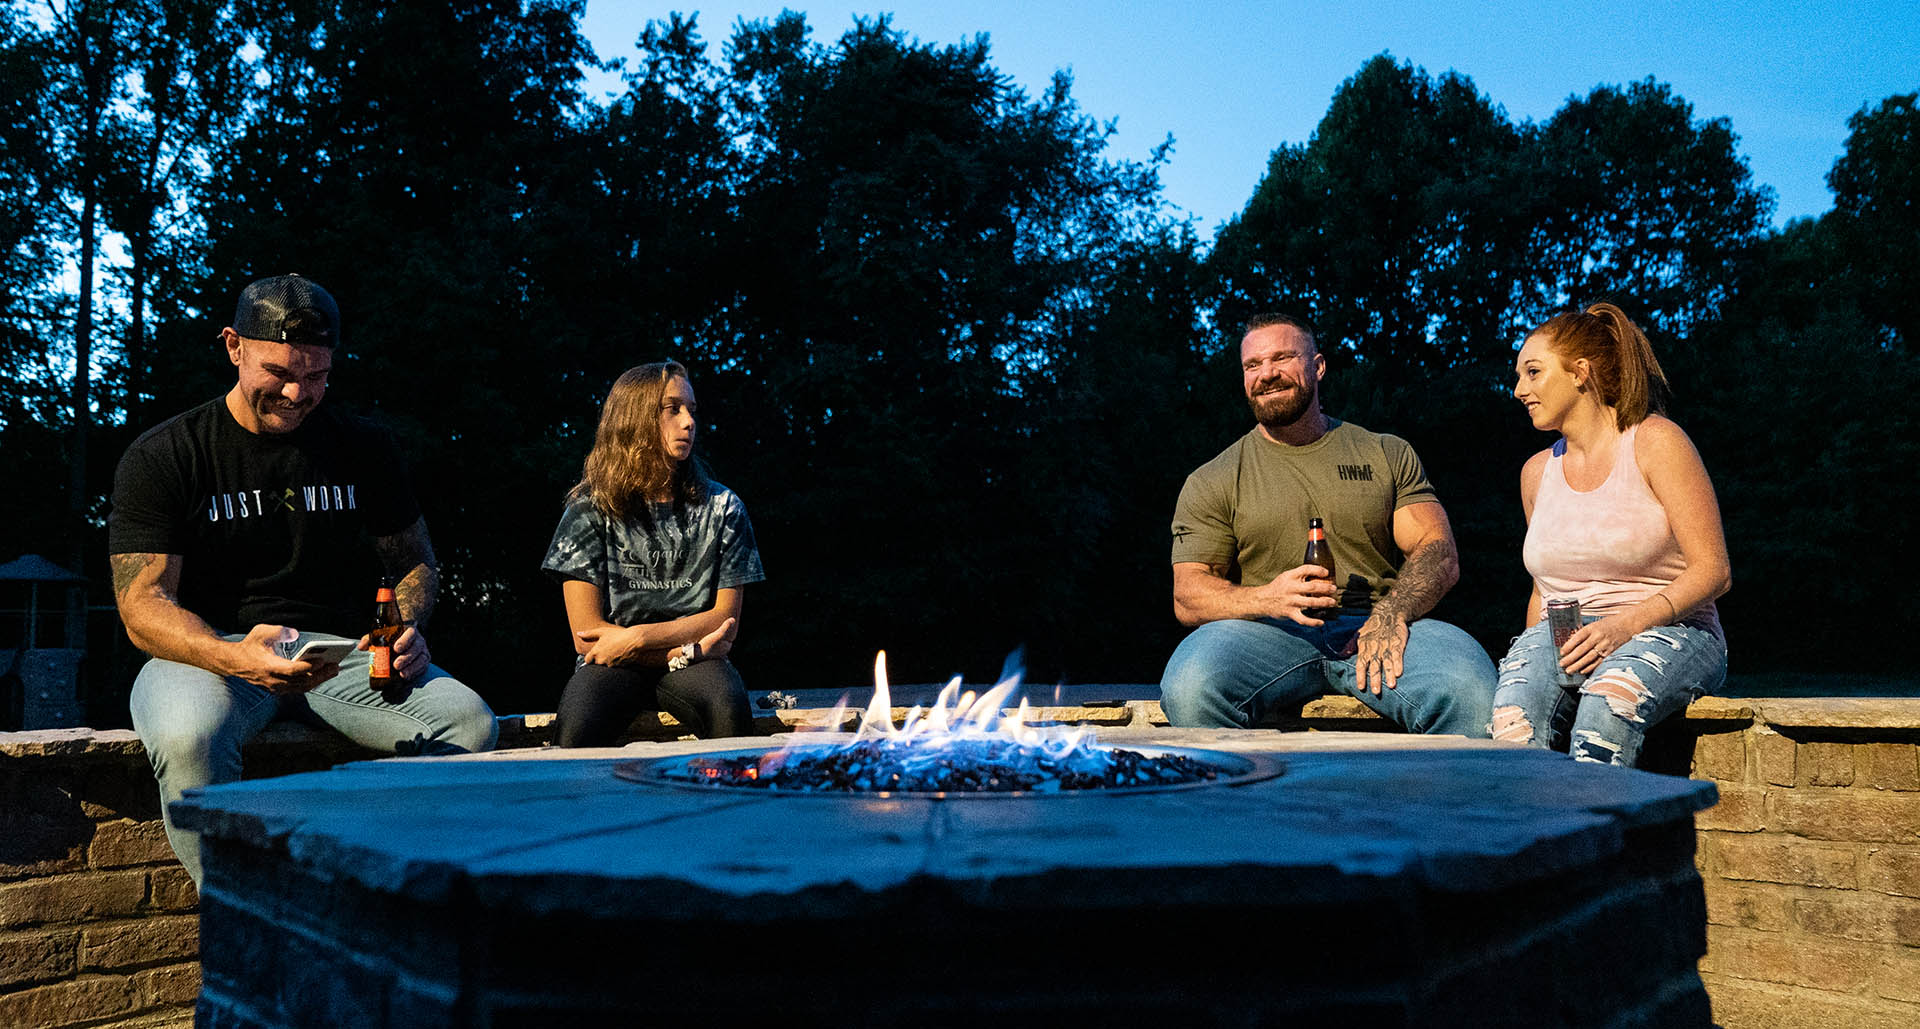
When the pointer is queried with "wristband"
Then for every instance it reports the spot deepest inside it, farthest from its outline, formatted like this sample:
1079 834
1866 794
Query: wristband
679 659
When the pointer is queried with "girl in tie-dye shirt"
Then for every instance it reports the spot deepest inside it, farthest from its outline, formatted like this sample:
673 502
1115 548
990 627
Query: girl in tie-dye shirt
653 558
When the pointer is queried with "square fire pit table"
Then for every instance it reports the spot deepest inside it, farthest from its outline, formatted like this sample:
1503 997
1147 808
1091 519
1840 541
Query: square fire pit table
1378 880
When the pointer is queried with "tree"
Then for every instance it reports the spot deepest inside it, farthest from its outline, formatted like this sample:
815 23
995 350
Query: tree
1876 213
1645 205
1113 426
184 55
904 273
27 193
1397 229
1807 366
87 43
32 451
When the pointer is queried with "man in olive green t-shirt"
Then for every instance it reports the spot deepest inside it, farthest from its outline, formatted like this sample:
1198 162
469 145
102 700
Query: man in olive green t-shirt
1269 630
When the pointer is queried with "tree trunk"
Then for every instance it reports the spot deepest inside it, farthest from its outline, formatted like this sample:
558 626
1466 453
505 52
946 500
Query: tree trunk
135 344
82 380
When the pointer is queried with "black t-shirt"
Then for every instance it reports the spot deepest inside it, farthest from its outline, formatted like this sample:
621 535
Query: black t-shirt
273 528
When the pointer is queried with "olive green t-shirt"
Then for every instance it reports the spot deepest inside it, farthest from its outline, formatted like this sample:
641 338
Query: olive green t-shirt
1248 508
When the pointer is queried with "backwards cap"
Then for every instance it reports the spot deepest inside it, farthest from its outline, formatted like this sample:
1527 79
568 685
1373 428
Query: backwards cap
288 309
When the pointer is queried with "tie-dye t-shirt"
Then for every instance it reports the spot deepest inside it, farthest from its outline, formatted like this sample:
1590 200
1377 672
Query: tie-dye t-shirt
675 568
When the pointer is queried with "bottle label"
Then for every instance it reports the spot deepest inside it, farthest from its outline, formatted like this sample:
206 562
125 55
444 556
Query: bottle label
382 662
1316 534
383 595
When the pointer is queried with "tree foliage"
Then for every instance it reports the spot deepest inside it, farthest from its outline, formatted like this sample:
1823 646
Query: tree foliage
1394 229
1876 215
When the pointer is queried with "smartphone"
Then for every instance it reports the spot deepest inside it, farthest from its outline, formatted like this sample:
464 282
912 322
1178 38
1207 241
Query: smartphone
323 652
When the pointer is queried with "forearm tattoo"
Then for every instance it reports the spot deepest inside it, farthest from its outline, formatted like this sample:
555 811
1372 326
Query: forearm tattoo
1425 577
407 556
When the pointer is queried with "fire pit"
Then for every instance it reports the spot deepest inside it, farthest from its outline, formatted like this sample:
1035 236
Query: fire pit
961 746
1383 880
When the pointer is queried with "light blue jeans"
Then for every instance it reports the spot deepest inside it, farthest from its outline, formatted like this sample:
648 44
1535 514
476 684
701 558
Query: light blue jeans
193 723
1235 672
1604 718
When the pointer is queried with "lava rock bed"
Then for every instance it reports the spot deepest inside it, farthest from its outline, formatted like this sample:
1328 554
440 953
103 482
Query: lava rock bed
971 766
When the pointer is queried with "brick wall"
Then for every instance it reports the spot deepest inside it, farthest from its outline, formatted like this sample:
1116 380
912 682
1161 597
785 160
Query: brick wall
99 925
1811 859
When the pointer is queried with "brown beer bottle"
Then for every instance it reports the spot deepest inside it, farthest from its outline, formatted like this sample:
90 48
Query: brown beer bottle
387 627
1320 552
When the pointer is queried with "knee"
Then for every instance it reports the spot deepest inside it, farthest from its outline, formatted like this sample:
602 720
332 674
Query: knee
1511 724
1191 685
1626 696
476 730
719 691
1465 708
465 722
1179 683
1182 685
185 754
185 743
1469 682
1470 673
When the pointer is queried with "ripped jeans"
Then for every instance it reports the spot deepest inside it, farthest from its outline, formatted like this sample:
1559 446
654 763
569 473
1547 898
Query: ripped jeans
1606 717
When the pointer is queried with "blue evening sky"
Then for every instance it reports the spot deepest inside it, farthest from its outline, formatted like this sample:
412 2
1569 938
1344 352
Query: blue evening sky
1231 80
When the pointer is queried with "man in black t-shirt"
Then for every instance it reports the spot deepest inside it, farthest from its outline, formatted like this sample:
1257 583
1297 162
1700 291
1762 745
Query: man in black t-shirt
254 523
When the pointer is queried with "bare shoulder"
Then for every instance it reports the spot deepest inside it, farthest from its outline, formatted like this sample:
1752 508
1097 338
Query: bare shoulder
1530 475
1661 441
1535 469
1536 465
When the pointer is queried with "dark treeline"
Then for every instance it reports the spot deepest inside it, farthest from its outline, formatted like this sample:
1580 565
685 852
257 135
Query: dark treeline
956 358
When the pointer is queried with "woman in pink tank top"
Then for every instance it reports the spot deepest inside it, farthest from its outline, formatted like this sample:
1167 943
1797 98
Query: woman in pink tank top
1621 518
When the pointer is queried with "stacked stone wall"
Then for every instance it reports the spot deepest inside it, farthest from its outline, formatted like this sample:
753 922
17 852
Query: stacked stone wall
99 924
1811 859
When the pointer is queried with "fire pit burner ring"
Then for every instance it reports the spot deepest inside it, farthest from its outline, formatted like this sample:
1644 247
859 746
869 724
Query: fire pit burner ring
684 773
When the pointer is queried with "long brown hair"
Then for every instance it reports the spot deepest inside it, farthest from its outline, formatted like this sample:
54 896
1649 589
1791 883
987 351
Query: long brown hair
628 465
1623 370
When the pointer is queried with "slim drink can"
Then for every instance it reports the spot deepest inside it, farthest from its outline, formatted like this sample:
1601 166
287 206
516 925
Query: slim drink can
1563 620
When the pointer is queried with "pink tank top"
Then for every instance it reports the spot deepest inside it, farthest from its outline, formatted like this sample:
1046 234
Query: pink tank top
1609 548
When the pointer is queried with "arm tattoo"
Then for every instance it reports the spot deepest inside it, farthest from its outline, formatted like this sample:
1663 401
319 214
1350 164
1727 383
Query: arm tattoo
127 568
415 594
407 556
1425 577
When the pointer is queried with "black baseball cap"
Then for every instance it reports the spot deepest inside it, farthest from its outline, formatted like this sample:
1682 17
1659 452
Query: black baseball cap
288 309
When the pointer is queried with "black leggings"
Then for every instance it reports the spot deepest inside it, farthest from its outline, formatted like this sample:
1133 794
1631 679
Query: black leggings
600 701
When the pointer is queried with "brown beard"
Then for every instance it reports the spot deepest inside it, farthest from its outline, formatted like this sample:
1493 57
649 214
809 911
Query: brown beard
1276 413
